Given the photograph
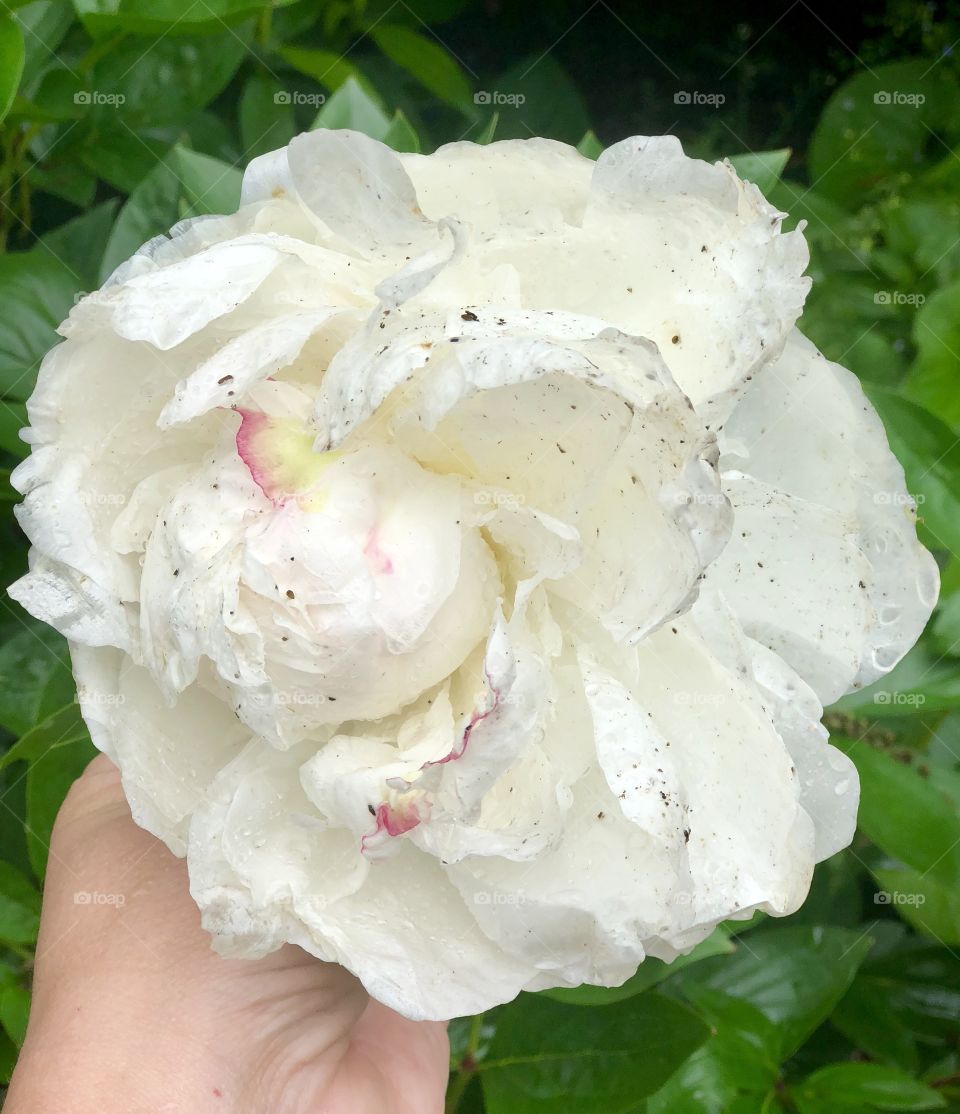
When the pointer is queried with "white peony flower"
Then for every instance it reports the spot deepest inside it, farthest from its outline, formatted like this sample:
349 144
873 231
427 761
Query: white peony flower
456 552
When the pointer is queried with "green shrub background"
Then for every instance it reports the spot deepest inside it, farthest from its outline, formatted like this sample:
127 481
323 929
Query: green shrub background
119 117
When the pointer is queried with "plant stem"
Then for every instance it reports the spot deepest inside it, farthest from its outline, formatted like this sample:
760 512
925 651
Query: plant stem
467 1068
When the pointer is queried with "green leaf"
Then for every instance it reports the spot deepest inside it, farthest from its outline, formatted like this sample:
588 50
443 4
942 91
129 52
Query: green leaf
590 147
58 96
122 158
13 840
162 17
843 319
923 680
946 619
185 183
209 185
868 1019
60 729
546 1058
400 135
537 97
78 244
873 129
47 785
860 1086
152 208
14 1011
11 62
917 228
44 26
162 81
489 130
66 178
649 973
266 116
935 373
35 677
930 454
922 901
19 907
836 893
922 984
905 816
13 417
739 1061
763 168
424 59
36 293
8 1057
793 975
324 66
352 107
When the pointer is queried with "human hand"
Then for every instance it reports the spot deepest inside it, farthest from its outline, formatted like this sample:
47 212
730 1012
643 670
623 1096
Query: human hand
134 1012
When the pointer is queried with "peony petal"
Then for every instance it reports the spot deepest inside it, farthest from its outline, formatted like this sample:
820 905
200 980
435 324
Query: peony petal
359 189
168 755
192 293
243 361
853 586
514 184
